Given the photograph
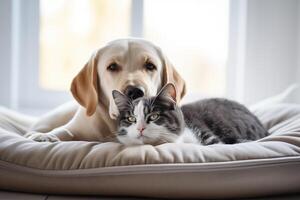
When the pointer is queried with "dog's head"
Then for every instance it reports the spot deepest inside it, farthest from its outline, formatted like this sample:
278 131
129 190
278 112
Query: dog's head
133 66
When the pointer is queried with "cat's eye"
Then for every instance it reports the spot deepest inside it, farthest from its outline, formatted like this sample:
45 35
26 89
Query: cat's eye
154 117
131 119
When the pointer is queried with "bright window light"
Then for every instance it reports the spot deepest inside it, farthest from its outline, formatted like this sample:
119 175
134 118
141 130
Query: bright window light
194 33
70 30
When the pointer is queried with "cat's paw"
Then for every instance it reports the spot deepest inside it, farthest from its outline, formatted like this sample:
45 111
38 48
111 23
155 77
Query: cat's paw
42 137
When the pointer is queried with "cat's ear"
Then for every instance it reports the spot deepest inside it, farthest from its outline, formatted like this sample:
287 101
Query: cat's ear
169 91
120 99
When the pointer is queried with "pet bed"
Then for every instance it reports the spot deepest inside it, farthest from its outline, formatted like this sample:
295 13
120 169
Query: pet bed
270 166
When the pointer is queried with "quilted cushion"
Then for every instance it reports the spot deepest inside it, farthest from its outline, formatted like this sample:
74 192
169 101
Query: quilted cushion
268 166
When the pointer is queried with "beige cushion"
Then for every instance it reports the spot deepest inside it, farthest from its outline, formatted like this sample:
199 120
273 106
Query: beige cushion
269 166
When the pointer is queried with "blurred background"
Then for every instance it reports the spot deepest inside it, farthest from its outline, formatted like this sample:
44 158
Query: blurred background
245 50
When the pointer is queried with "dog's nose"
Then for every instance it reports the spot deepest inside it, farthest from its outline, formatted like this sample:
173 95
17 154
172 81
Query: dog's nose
133 92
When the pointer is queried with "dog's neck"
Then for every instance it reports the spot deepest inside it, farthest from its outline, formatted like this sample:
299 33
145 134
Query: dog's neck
98 127
102 112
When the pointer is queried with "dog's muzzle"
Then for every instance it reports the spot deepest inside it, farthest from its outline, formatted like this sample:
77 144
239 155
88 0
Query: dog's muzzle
133 92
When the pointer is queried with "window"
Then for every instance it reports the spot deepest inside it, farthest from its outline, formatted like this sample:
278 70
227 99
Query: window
44 45
70 30
58 37
194 34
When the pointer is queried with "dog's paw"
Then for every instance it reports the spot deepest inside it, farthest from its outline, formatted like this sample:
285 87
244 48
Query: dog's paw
42 137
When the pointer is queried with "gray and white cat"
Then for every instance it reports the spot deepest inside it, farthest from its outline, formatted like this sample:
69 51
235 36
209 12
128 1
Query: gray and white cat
156 120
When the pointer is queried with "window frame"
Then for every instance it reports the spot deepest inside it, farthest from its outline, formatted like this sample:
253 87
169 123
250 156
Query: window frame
237 46
28 67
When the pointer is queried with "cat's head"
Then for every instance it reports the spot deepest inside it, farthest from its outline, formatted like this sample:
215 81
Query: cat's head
149 120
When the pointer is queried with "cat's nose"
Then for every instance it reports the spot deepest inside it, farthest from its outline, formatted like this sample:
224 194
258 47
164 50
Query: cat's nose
141 130
134 92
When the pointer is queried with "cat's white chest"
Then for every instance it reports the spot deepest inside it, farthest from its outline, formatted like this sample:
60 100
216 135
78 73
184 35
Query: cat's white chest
187 137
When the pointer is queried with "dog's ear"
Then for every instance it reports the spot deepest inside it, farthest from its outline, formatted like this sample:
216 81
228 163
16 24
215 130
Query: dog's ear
84 86
170 75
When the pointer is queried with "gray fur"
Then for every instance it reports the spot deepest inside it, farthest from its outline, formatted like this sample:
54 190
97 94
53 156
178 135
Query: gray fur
228 121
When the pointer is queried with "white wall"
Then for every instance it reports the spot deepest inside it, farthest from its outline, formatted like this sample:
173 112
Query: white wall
272 48
5 51
297 95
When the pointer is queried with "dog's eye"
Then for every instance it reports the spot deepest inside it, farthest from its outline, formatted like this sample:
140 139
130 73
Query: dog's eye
113 67
150 66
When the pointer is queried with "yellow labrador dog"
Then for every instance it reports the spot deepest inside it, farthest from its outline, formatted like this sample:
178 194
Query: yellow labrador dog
134 66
